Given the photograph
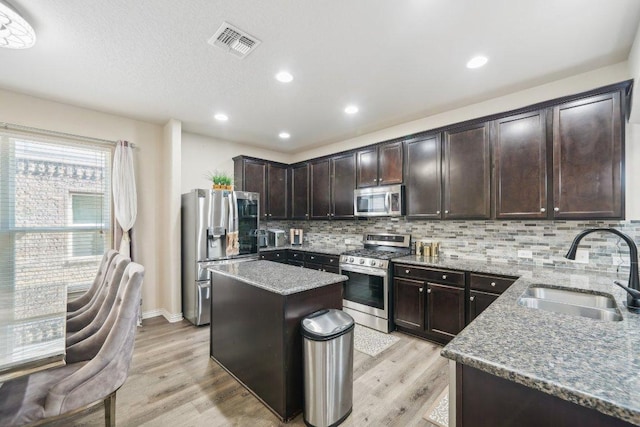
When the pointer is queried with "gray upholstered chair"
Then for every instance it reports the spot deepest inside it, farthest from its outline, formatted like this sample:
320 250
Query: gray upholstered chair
105 298
90 322
92 292
96 368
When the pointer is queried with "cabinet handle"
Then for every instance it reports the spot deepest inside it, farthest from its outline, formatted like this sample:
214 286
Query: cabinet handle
421 290
444 276
472 298
328 214
493 283
407 271
265 214
556 209
306 215
331 260
437 212
446 211
428 291
278 255
543 210
313 257
270 215
333 214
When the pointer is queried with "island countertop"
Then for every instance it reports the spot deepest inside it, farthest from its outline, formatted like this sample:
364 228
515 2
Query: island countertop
279 278
593 363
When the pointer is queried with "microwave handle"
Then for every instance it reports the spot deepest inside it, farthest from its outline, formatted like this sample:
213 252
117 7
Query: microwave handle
387 201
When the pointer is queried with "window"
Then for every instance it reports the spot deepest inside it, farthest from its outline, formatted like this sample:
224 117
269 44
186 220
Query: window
55 210
87 215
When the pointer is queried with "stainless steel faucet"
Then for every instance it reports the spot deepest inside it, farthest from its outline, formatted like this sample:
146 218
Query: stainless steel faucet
633 289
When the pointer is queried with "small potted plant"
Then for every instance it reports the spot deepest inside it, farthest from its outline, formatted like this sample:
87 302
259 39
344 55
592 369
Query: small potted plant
220 180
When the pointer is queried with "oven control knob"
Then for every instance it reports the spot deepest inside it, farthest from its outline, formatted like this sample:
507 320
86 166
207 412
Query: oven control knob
372 262
351 259
361 261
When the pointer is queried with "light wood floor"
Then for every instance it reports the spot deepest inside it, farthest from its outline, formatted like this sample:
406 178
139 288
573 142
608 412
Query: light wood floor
172 382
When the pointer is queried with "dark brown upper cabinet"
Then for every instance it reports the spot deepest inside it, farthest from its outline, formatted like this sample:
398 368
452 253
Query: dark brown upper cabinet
380 165
466 169
277 179
251 175
587 158
343 182
520 166
332 183
300 191
269 179
320 195
423 177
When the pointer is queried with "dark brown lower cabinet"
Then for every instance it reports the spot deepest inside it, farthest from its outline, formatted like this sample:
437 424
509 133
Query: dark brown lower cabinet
276 256
484 400
478 302
445 310
425 307
409 303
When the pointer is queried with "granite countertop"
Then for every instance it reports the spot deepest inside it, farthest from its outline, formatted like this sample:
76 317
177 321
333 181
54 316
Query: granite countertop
276 277
593 363
328 250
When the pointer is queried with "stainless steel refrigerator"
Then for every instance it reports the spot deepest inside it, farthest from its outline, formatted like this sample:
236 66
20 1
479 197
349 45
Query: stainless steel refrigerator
217 225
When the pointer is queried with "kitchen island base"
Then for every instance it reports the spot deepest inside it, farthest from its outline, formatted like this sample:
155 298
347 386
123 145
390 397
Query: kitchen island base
256 337
485 400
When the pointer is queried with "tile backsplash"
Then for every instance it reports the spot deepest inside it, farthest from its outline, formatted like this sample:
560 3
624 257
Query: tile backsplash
496 241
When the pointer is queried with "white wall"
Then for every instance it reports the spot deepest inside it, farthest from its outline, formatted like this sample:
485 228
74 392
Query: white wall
569 86
201 154
35 112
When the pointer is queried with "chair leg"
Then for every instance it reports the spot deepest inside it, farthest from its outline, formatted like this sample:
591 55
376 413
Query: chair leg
110 410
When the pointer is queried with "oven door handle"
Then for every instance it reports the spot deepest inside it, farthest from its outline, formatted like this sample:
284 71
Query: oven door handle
355 269
387 201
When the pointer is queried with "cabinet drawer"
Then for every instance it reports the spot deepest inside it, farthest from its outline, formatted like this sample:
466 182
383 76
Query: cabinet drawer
313 266
448 277
321 259
296 256
273 256
488 283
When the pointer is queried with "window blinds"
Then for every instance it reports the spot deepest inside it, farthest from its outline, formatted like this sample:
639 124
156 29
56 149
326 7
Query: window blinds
55 211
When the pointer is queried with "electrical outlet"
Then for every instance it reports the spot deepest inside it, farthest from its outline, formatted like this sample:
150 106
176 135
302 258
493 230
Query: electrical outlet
623 260
523 253
582 256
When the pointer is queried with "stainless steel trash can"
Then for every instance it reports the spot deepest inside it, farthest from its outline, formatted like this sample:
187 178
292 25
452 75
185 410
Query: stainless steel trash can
328 367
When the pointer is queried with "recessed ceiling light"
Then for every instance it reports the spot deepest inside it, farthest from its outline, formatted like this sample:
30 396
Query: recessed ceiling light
284 77
221 117
15 32
351 109
284 135
477 61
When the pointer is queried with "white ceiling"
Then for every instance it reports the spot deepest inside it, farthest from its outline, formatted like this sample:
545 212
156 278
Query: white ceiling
398 60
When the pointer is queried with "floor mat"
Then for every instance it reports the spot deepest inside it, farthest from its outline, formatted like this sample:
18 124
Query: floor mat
370 341
438 413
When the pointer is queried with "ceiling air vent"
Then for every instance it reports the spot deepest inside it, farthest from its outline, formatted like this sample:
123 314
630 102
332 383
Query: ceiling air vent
234 40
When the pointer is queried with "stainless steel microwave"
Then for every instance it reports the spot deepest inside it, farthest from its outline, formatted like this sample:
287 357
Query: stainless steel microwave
379 201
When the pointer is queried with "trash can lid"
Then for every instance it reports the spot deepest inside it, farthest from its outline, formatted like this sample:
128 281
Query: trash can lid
326 324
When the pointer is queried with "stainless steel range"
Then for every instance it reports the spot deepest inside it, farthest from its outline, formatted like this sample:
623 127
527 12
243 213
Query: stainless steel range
367 293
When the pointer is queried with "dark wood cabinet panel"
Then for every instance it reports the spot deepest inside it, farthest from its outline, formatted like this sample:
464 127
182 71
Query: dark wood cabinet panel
485 400
380 165
466 170
300 191
478 302
587 158
520 159
490 283
251 175
343 174
367 175
423 179
320 190
429 302
277 200
390 161
445 310
409 303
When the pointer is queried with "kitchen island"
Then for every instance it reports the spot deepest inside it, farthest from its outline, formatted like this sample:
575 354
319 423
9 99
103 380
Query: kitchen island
515 365
256 310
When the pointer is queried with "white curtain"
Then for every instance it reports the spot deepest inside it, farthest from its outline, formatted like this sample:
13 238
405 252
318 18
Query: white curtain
124 193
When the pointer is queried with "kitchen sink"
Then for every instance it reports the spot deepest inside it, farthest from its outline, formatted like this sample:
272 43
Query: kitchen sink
568 296
568 301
